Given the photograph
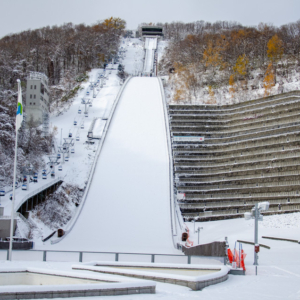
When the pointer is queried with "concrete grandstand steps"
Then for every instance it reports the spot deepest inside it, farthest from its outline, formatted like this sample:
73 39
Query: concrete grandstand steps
191 131
205 196
219 138
242 143
273 179
248 173
246 116
250 154
243 200
237 213
243 183
222 126
239 166
239 106
237 159
245 188
191 208
228 131
262 116
281 152
243 176
211 151
283 103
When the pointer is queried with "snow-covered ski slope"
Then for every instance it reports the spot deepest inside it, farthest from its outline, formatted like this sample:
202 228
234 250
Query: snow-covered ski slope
150 46
128 205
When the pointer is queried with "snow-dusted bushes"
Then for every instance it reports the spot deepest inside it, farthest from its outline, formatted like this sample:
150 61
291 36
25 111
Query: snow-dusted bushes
56 210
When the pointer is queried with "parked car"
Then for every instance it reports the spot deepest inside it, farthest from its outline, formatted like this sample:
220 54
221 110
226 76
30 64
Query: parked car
44 176
67 158
2 193
24 187
58 155
77 138
72 150
52 174
60 168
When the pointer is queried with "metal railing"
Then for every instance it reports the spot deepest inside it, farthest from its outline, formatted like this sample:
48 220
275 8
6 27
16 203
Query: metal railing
117 256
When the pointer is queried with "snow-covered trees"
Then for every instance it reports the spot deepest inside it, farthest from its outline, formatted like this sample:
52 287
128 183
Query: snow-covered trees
232 57
62 53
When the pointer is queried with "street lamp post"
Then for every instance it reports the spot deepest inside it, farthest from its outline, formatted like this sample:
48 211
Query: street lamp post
257 216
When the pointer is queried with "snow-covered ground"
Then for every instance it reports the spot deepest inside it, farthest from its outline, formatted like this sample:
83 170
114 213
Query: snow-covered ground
126 213
278 271
128 204
134 56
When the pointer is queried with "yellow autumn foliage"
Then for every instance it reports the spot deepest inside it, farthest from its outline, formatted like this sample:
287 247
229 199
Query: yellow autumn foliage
269 80
275 48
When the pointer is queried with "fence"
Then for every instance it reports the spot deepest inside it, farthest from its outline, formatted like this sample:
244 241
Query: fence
81 256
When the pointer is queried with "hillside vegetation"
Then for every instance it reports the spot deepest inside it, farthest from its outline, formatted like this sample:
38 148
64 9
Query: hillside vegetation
64 54
226 62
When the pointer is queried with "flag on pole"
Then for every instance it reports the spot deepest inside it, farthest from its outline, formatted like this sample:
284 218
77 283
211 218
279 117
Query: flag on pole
19 118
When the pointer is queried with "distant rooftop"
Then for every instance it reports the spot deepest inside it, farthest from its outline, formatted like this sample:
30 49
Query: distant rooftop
38 75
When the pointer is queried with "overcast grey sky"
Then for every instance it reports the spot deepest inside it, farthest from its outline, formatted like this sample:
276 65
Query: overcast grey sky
19 15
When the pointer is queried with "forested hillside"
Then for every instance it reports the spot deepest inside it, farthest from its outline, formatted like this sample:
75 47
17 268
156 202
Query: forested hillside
64 54
226 62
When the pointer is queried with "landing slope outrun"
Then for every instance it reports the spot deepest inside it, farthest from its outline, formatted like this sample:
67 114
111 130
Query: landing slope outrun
128 205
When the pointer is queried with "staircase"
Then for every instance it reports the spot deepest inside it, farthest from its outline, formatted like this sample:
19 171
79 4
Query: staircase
250 154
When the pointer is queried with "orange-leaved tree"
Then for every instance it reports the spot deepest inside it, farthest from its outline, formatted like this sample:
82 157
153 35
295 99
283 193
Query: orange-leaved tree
231 85
241 64
275 48
269 80
212 57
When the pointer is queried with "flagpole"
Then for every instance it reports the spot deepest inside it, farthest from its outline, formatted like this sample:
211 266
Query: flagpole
14 186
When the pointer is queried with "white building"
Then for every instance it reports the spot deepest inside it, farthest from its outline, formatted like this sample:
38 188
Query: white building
37 97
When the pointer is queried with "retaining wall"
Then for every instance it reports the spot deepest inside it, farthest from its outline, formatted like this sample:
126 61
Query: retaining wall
250 154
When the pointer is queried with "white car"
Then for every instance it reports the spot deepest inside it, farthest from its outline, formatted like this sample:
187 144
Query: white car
24 187
60 168
67 158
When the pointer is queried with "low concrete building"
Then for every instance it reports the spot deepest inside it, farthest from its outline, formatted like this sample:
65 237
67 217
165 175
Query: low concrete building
37 97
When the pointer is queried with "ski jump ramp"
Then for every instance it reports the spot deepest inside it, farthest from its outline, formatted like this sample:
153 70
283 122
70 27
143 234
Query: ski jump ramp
127 208
150 46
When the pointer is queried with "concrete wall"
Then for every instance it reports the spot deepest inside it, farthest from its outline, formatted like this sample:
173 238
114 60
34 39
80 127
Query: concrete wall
5 227
250 154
